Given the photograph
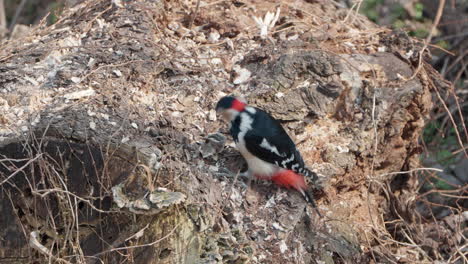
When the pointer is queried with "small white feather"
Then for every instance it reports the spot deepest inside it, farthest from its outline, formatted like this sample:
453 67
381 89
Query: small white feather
266 145
250 110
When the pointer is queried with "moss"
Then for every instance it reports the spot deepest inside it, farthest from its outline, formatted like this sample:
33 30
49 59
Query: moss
55 10
443 44
419 33
442 185
418 11
369 9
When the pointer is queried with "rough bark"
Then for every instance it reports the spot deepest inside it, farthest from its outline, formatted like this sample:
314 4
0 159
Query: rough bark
110 110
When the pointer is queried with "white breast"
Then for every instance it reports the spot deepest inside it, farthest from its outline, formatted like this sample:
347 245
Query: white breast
257 166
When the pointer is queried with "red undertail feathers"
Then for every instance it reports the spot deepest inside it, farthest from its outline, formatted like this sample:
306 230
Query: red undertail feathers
288 179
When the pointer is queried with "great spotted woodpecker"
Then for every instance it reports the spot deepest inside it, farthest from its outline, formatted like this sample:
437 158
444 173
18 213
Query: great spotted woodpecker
269 151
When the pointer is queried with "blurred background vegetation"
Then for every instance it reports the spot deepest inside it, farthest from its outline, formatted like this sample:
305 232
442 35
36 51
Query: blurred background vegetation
29 12
444 140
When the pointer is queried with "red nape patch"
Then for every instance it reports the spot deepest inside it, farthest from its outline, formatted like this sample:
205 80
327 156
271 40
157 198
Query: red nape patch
238 105
288 179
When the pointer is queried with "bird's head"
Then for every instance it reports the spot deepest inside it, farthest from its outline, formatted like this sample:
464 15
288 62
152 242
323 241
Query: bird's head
229 107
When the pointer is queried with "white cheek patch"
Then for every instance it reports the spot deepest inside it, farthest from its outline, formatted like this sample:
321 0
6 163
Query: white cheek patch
244 126
250 110
231 114
266 145
246 123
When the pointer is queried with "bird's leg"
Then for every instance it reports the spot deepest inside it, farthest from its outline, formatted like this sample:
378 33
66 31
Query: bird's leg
249 175
249 178
246 174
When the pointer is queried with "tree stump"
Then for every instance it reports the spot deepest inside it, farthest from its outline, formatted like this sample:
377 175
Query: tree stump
111 150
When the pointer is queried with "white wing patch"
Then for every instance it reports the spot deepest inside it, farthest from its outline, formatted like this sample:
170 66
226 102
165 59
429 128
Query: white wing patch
266 145
284 162
232 114
294 167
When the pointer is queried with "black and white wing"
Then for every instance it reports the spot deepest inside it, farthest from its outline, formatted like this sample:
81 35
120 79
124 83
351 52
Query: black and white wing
268 141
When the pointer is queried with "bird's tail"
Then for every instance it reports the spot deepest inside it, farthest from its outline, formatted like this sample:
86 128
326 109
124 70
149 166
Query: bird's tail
311 179
289 178
310 176
309 197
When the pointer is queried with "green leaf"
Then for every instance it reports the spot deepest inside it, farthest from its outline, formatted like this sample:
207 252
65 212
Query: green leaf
445 157
418 10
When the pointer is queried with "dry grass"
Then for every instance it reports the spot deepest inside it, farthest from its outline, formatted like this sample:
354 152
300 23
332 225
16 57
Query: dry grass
55 220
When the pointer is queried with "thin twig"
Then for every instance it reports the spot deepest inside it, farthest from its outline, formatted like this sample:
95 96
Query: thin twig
17 13
194 15
139 246
460 141
429 37
90 23
410 171
456 61
20 169
108 66
445 192
46 192
460 113
442 49
370 247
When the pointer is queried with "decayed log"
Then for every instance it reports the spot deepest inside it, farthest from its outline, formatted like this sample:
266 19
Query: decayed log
105 123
